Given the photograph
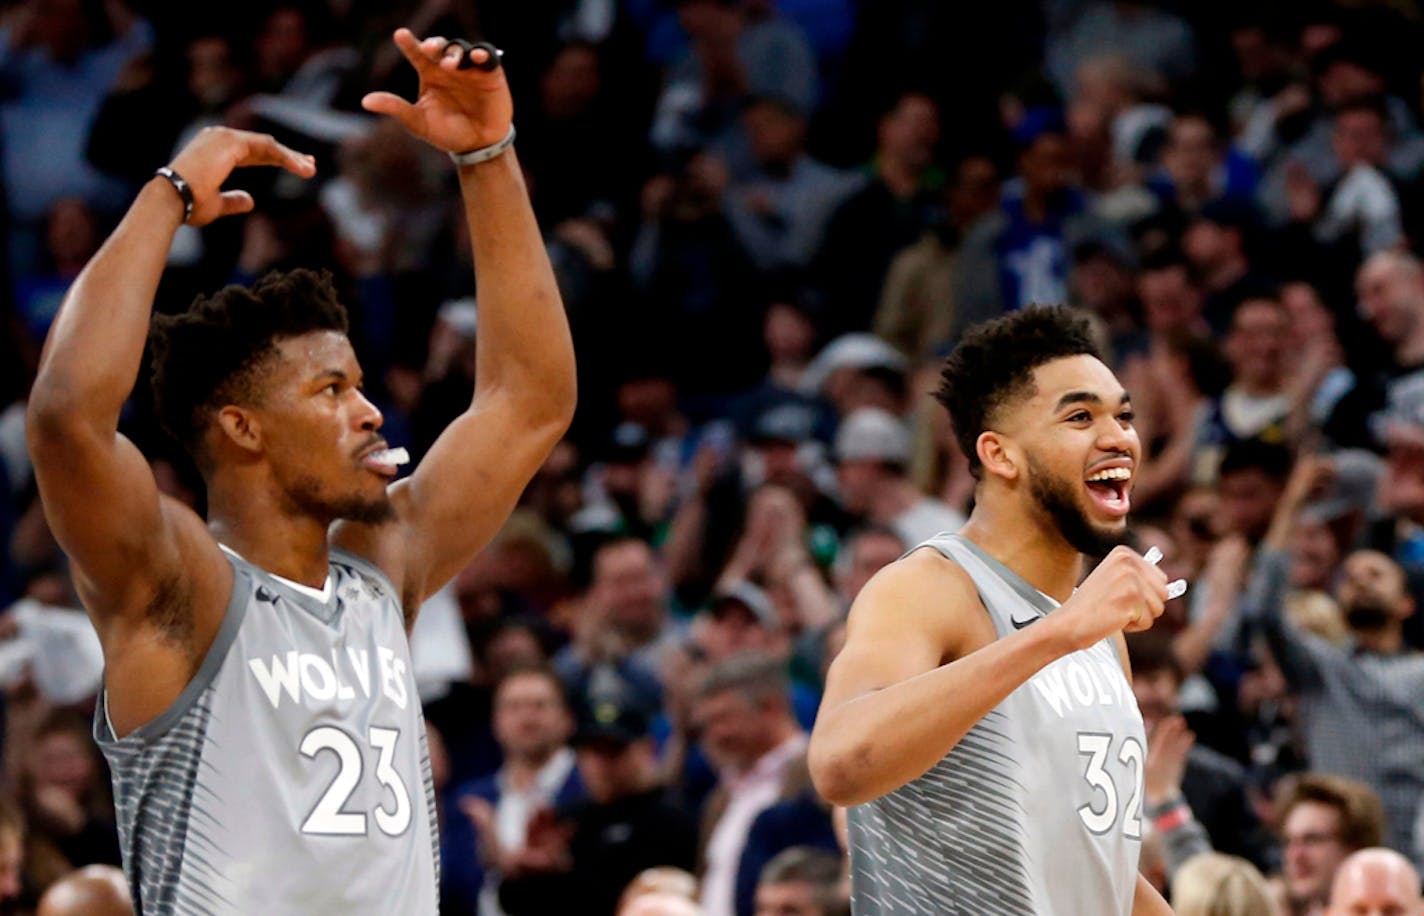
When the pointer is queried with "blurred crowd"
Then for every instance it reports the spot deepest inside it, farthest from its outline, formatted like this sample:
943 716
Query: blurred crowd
770 220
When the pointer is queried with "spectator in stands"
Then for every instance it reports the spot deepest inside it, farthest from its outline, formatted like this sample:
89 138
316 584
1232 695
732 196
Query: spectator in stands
624 628
917 306
801 882
1259 400
780 209
1375 881
1250 480
1151 38
1212 785
66 799
1211 884
1019 254
486 835
752 738
733 53
891 211
1346 692
1390 291
872 453
1323 820
71 238
60 58
1216 242
1200 168
579 858
1357 211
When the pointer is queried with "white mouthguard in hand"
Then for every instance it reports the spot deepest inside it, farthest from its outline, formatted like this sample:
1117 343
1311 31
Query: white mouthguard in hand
1153 555
1176 589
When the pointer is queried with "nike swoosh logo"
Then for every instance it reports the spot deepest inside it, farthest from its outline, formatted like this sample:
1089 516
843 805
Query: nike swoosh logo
1020 624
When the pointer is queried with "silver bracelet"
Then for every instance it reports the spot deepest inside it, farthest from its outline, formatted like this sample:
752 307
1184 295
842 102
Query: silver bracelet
484 153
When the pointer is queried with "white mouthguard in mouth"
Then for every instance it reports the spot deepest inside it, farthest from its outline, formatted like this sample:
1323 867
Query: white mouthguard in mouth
395 456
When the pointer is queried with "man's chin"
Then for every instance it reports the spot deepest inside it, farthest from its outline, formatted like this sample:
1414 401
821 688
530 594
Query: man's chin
361 510
374 512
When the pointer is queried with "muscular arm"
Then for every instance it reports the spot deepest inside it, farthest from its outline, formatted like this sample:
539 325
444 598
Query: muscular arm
885 719
98 492
470 480
893 708
140 561
126 544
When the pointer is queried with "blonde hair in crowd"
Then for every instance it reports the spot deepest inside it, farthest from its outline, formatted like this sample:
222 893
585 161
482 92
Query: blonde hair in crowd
1212 884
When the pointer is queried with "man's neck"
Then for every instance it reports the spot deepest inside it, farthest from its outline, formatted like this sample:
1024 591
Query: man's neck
780 734
1409 353
1388 640
1010 533
282 543
523 770
902 180
637 635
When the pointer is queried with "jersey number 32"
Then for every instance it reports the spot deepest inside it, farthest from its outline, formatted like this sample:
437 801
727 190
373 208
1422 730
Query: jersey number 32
1101 811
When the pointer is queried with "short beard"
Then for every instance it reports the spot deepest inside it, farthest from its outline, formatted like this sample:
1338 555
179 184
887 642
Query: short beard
309 498
1055 497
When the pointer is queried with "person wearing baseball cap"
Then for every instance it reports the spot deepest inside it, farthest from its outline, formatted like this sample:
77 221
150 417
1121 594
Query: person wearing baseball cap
586 853
872 453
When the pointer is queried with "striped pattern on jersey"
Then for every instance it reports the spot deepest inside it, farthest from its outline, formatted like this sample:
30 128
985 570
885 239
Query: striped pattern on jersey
1036 811
292 774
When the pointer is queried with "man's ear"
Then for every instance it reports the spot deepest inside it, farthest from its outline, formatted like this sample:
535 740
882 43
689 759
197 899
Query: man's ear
241 427
998 455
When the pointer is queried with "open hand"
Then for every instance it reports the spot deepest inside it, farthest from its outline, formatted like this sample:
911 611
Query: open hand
455 110
210 157
1167 749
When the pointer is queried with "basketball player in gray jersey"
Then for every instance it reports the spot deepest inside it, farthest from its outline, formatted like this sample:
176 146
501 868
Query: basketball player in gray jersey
979 724
258 708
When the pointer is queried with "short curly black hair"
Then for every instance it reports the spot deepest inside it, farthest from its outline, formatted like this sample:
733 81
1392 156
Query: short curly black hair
994 362
211 354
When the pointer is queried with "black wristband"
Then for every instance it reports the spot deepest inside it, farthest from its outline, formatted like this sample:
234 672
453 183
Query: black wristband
181 187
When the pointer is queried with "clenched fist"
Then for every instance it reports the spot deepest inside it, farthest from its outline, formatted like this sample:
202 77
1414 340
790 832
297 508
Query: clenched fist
1125 593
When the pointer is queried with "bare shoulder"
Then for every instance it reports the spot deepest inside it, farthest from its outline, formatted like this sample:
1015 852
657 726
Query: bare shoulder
150 656
924 592
913 616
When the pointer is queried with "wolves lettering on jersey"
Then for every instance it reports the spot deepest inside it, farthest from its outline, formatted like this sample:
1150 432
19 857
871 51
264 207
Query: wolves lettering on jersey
305 673
1036 811
1073 681
292 775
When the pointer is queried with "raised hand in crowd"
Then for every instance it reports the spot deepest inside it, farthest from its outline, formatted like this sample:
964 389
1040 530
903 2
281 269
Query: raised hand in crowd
1222 577
1167 748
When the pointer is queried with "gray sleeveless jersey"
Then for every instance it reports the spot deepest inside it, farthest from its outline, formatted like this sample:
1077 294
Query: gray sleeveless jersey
291 775
1037 811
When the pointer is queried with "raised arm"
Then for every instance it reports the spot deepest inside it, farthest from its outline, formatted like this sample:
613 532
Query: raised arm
127 546
886 716
1298 653
470 480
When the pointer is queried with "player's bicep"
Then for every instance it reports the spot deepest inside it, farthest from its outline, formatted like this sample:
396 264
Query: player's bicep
905 622
463 491
104 507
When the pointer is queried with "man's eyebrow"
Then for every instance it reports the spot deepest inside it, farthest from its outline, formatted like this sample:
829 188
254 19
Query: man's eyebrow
1085 398
325 374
